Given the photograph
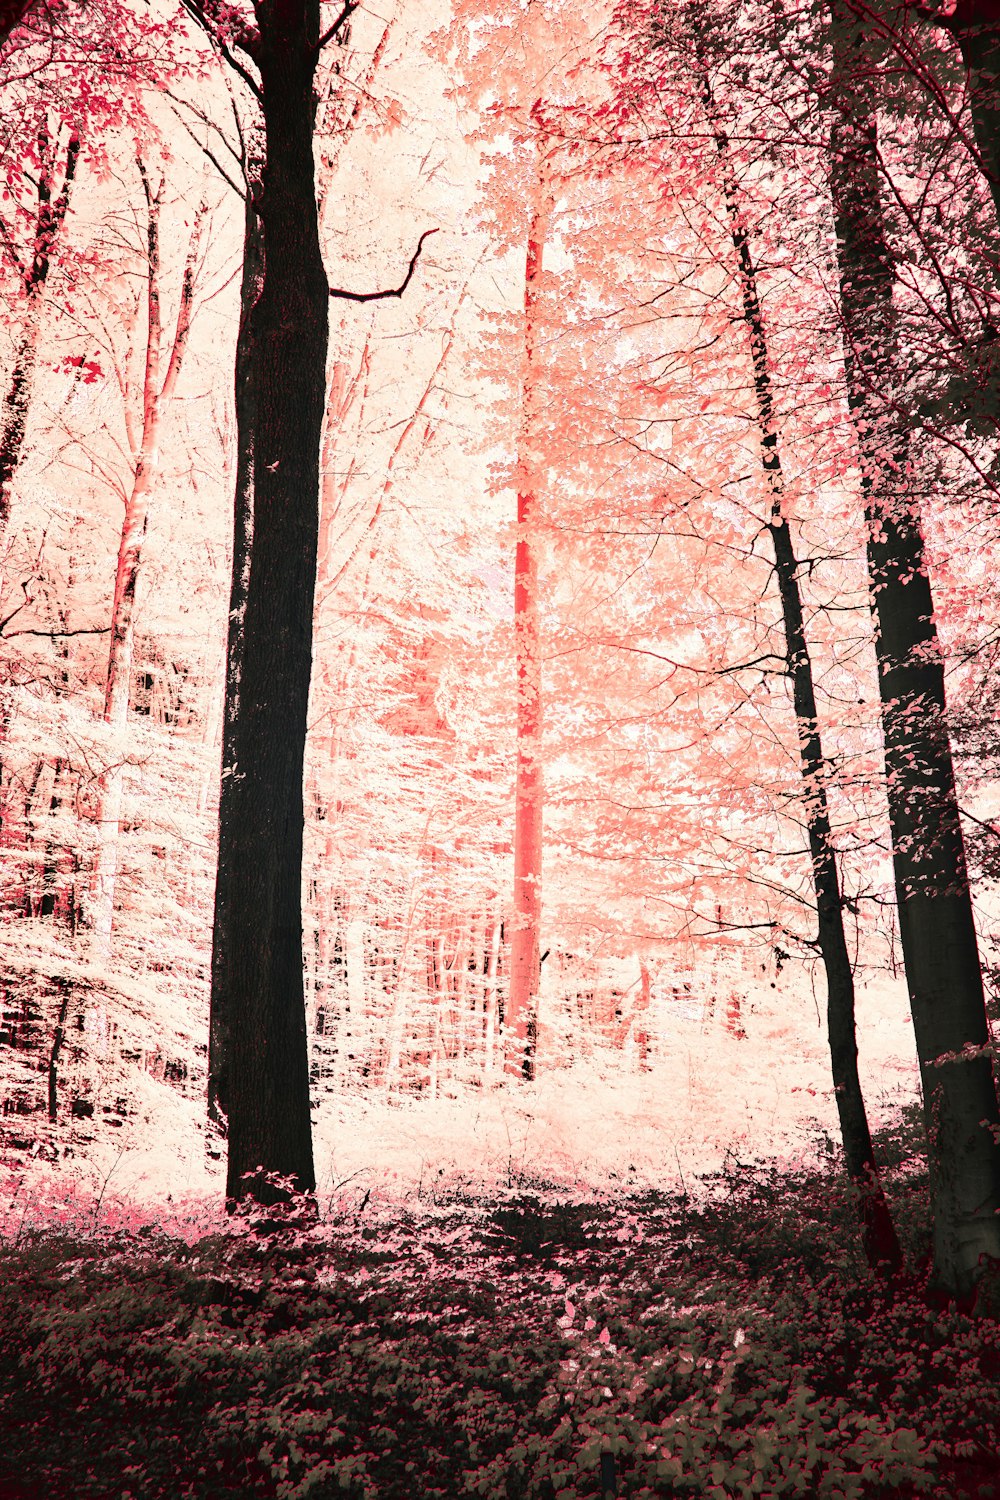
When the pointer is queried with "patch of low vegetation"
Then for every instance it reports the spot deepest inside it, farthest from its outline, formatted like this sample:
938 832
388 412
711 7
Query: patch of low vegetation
731 1348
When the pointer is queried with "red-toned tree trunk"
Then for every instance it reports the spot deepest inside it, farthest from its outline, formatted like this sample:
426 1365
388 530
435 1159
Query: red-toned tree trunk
156 397
521 1017
937 928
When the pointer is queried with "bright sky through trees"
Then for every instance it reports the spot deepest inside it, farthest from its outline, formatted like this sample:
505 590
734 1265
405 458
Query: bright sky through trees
558 806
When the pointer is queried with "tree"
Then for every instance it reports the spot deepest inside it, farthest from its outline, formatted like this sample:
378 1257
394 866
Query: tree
937 927
257 1025
880 1240
158 388
257 982
975 26
521 1015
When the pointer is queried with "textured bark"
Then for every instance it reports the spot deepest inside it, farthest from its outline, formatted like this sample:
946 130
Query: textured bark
879 1237
250 290
257 982
521 1018
937 929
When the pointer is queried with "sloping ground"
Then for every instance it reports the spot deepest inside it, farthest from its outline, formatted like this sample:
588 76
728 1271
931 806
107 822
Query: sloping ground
728 1348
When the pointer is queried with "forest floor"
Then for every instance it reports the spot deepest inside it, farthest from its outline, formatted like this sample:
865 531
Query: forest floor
532 1346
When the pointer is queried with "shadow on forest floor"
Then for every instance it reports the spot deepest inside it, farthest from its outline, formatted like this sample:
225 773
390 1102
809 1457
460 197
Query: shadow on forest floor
731 1348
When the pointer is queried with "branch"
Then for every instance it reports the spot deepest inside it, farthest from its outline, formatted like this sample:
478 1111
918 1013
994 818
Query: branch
28 599
12 251
396 291
350 6
987 827
72 157
52 635
195 9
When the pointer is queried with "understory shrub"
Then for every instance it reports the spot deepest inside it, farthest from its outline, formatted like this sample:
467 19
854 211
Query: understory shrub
730 1349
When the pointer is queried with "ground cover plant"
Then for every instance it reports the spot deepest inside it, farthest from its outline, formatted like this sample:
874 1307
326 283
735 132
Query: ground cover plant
729 1344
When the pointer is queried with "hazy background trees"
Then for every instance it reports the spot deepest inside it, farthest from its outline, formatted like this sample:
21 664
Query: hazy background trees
672 850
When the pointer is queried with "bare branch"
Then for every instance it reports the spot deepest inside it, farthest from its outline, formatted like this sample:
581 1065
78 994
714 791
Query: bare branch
350 6
53 635
396 291
980 823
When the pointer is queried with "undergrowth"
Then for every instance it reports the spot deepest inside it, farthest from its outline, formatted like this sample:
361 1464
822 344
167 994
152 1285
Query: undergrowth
725 1348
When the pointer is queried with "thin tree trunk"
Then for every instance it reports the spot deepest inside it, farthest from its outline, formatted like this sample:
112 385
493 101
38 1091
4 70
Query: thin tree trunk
33 275
881 1244
436 986
63 987
490 1001
520 1021
937 928
156 398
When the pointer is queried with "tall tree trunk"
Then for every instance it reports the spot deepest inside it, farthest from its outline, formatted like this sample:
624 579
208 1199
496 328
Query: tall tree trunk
220 1019
937 928
257 981
156 397
520 1021
881 1244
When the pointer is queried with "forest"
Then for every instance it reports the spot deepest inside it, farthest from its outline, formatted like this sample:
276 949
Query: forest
499 785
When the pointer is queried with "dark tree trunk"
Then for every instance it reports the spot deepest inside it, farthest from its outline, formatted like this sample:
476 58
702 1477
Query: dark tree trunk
975 26
63 987
257 981
937 929
879 1237
252 282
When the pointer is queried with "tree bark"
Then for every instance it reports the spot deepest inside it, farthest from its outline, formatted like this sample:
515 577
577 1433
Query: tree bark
63 990
250 289
257 983
881 1245
521 1018
937 928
